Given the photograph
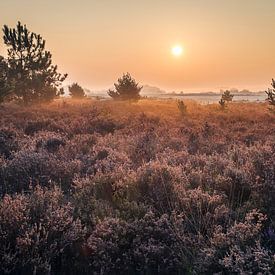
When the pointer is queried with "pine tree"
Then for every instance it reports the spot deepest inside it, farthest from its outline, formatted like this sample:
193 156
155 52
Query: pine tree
5 87
30 66
126 88
76 91
271 94
222 103
227 96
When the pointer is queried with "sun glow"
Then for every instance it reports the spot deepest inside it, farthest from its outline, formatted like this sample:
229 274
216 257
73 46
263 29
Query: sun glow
177 50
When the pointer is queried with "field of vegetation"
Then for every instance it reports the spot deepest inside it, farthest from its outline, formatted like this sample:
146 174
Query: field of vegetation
153 187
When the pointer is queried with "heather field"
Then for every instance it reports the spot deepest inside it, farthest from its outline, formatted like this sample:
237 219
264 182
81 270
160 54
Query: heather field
110 187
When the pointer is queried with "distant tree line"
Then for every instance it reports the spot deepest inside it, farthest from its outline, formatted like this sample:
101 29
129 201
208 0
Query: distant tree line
28 75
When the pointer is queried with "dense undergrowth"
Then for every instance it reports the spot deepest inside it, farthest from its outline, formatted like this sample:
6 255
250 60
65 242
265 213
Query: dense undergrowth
118 188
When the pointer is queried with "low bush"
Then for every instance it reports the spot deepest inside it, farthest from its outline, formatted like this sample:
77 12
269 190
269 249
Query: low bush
108 187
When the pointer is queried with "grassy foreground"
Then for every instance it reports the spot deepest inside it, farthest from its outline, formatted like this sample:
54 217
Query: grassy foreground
101 187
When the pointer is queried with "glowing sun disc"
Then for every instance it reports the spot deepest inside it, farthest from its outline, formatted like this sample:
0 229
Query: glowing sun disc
177 50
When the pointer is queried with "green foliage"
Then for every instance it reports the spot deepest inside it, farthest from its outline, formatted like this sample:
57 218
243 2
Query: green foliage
126 89
227 96
30 66
76 91
182 108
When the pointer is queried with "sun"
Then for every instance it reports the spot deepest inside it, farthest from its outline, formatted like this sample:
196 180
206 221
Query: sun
177 50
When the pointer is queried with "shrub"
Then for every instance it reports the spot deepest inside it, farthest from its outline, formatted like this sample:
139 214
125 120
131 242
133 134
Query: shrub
159 184
182 108
76 91
155 194
271 96
33 127
222 103
8 142
126 88
38 232
146 246
222 245
227 96
32 168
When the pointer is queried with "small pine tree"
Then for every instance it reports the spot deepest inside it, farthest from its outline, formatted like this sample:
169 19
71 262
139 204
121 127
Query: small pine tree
227 96
271 94
222 103
76 91
5 87
30 66
126 89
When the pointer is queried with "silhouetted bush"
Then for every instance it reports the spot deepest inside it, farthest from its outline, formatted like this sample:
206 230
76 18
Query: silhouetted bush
76 91
126 88
182 108
227 96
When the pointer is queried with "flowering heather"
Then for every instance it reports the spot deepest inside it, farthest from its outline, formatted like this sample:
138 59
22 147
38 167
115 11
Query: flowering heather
102 187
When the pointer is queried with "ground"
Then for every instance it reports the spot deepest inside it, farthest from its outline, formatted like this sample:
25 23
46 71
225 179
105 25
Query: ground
109 187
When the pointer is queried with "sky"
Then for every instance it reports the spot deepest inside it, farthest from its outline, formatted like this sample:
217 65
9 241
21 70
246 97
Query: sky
226 43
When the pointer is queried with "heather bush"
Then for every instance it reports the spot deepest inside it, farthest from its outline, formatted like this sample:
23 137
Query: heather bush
241 238
35 126
38 232
8 142
158 185
251 260
145 246
144 148
140 190
107 195
31 168
51 142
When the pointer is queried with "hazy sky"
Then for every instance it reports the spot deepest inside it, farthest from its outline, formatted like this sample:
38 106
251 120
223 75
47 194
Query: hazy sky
227 43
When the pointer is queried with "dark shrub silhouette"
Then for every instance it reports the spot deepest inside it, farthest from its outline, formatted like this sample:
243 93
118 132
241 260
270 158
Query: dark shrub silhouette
182 108
271 96
76 91
222 103
227 96
126 88
5 86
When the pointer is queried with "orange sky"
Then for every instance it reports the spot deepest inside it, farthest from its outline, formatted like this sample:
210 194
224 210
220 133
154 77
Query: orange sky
227 43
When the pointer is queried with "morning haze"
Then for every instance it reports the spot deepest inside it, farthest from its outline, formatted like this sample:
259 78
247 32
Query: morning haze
225 43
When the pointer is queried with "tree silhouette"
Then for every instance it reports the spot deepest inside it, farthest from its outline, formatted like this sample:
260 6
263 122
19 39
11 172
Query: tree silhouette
30 66
76 91
5 87
227 96
271 94
126 88
222 103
